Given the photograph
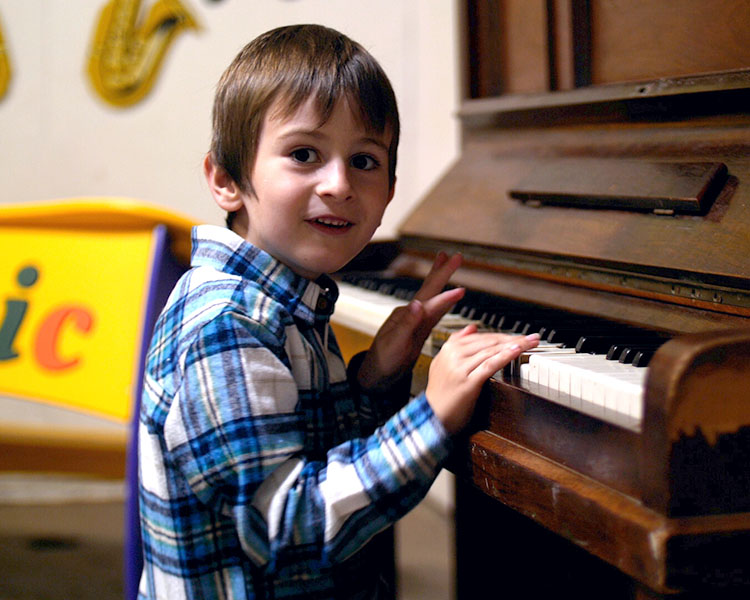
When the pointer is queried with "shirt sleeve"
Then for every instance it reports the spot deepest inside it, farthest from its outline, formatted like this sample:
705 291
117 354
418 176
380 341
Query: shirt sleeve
235 435
375 407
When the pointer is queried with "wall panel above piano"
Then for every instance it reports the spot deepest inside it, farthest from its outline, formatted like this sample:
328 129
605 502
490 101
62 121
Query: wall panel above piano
533 46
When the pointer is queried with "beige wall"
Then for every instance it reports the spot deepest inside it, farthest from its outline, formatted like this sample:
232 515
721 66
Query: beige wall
58 139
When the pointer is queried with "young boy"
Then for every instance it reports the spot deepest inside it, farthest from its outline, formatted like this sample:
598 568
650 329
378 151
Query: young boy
266 465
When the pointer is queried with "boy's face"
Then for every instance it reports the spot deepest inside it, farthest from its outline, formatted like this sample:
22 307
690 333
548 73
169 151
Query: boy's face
318 191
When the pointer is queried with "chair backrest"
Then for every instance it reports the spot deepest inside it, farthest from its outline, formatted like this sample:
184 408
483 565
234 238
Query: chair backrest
165 273
87 279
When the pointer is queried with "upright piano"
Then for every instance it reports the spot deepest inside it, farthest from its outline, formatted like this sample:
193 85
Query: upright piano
601 198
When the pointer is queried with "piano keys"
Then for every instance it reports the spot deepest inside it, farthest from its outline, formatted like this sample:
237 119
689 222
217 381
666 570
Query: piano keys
592 368
364 309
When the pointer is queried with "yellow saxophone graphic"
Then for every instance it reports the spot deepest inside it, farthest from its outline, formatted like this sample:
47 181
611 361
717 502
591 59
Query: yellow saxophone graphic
125 57
4 66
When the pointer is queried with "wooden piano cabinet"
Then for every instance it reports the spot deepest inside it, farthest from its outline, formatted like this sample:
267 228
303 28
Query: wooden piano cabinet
628 104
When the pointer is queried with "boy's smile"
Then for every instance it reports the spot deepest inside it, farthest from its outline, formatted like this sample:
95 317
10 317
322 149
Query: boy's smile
318 192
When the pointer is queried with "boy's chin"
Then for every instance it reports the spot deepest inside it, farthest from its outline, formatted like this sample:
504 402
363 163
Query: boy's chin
336 262
313 269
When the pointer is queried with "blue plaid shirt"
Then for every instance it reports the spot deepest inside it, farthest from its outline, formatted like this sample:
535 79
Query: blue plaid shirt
264 471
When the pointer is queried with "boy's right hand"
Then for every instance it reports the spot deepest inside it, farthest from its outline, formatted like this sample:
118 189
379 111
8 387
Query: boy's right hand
464 363
399 340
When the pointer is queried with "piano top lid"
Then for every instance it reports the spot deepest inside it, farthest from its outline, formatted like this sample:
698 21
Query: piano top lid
471 208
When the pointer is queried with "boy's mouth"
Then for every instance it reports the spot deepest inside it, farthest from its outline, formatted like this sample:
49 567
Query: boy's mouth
331 223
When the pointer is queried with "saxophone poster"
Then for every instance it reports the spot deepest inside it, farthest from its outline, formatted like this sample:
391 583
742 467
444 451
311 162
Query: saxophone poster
4 65
127 52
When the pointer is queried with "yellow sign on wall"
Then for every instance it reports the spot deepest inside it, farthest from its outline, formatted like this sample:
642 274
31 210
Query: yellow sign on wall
74 294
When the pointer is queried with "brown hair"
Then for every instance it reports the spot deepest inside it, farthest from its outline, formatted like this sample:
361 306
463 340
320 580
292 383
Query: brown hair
295 63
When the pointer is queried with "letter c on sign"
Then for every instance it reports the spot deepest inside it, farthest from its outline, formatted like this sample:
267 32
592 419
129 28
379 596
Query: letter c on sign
45 348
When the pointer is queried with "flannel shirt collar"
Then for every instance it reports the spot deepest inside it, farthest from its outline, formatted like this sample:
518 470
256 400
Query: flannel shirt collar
223 250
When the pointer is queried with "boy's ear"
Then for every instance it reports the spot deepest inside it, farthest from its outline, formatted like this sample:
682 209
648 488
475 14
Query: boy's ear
223 188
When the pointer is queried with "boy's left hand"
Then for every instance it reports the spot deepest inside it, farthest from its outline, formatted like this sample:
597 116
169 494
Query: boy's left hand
399 341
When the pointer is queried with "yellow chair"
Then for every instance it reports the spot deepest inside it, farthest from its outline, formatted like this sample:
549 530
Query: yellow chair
82 282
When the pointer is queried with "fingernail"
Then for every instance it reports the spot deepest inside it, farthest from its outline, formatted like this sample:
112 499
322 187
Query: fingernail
533 336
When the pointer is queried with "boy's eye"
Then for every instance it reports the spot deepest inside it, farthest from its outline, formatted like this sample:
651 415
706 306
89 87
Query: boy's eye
364 162
305 155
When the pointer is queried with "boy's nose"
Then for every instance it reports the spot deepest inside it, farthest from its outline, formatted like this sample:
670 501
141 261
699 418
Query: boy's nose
334 182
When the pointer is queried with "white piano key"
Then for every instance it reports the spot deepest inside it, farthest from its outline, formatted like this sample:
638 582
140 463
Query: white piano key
605 389
363 310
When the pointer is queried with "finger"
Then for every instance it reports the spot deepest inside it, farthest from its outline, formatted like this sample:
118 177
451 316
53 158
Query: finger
440 260
402 323
508 352
469 330
482 349
437 306
494 362
471 348
473 340
440 273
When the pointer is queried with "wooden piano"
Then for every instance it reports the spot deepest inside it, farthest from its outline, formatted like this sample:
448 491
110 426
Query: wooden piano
601 194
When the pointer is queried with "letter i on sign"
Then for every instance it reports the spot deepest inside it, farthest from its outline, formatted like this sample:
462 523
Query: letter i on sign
15 310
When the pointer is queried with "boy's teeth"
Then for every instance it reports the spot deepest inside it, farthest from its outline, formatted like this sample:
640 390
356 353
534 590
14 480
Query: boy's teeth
333 222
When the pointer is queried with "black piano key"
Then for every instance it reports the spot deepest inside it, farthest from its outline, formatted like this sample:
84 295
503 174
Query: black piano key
567 338
628 355
486 319
490 320
642 358
571 332
648 347
615 351
593 344
387 288
531 327
602 344
404 294
505 322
